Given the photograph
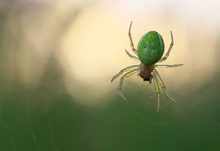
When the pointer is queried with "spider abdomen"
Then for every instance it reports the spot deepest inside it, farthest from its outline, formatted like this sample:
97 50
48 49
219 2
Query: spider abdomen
150 48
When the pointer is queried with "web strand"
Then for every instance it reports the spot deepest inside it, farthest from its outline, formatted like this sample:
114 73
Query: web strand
7 128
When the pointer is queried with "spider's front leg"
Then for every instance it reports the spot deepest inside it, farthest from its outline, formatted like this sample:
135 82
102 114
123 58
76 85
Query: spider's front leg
127 69
157 89
128 74
162 85
130 71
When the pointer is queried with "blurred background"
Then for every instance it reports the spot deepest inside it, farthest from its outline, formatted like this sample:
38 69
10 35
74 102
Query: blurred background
57 59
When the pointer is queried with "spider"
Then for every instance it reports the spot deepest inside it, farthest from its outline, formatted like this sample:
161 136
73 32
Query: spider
149 52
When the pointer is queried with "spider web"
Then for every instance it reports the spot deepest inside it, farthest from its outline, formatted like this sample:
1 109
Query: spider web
7 129
10 132
142 100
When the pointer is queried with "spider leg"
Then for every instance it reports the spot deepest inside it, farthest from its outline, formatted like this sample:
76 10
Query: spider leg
170 47
126 75
131 56
162 85
157 89
129 68
131 41
167 66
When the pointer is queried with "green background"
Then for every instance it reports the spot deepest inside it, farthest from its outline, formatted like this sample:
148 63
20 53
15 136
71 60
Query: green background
55 122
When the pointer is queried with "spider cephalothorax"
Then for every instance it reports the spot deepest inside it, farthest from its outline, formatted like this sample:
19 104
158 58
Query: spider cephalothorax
149 51
146 72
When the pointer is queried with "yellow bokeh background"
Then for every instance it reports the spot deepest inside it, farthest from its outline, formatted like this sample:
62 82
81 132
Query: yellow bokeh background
88 38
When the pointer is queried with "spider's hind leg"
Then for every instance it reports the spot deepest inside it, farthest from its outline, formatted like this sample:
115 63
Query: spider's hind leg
168 66
131 41
169 49
131 56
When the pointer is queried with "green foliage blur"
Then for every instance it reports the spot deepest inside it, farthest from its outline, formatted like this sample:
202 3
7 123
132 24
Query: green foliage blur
47 119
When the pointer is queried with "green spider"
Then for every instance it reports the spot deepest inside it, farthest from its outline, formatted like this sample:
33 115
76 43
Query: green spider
150 49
